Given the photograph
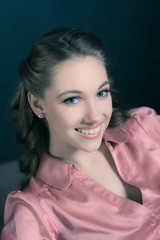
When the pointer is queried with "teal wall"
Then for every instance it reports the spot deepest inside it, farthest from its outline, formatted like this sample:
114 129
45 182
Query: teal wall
130 31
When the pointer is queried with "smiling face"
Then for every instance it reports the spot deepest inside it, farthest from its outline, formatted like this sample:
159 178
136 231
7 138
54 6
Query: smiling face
78 106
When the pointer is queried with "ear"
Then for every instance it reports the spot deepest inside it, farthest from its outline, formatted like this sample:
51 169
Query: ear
36 104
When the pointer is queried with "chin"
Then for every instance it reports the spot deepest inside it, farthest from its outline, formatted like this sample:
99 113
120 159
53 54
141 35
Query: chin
92 147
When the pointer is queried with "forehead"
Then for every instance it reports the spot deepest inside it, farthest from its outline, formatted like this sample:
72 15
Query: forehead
79 72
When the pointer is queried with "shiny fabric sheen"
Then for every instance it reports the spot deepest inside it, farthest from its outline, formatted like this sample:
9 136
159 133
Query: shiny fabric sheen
63 203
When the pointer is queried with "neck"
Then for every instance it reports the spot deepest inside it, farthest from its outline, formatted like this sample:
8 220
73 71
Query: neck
79 157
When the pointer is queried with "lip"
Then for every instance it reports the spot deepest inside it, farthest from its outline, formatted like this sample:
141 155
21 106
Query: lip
91 126
90 136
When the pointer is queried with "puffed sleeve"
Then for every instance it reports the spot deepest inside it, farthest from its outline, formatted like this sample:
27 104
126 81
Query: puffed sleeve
149 120
25 219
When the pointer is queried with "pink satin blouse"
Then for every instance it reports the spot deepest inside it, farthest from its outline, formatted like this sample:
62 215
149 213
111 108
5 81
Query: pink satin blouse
63 203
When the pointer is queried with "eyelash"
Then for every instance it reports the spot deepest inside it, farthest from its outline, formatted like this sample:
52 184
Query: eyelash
106 92
66 101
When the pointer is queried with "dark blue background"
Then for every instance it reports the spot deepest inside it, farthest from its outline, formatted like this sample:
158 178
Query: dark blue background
130 31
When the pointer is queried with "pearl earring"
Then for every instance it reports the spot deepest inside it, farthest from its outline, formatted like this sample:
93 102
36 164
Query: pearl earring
40 116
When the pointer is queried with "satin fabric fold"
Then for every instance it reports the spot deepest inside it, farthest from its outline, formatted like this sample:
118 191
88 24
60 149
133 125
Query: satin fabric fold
63 203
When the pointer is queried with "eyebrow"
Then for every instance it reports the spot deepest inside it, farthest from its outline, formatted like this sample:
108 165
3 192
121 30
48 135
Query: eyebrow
80 92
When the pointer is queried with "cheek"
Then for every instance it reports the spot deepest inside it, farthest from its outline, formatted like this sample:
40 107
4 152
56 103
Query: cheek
54 117
62 118
110 103
107 106
72 117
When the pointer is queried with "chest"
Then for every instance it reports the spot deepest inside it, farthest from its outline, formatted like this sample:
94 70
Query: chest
104 172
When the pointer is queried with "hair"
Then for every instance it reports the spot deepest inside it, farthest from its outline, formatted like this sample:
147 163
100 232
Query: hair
45 55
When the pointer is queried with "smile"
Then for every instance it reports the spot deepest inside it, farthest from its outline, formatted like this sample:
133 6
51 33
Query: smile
89 131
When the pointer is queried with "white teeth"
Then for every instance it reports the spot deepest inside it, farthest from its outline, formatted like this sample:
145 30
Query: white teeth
89 131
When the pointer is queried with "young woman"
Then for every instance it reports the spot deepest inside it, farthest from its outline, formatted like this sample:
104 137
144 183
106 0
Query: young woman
91 172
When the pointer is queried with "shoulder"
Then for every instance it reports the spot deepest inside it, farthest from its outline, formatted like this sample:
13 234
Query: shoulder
25 218
145 115
147 119
141 123
31 197
19 199
142 111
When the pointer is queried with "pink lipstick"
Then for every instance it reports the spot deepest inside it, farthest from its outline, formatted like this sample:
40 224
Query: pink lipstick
90 132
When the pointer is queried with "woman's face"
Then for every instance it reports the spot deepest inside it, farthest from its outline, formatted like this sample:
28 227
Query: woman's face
78 106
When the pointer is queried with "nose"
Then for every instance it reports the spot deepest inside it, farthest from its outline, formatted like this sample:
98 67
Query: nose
92 113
